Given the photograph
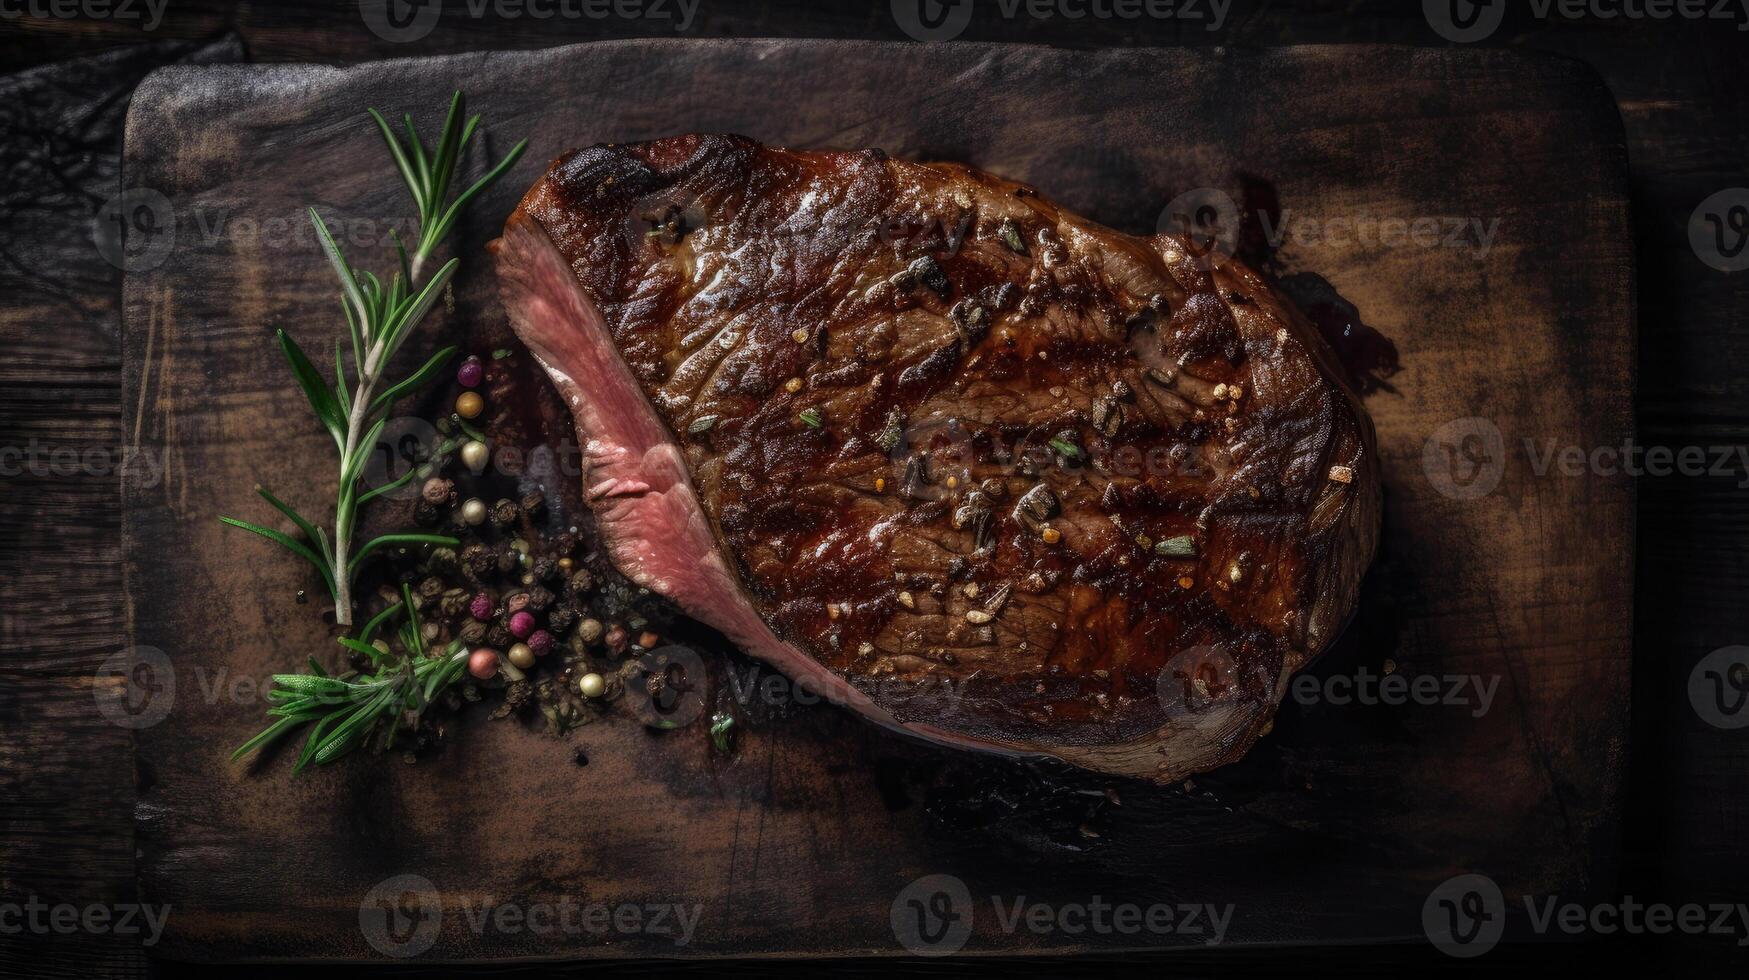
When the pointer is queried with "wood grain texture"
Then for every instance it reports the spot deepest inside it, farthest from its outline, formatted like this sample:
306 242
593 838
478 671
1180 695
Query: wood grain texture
66 773
1333 829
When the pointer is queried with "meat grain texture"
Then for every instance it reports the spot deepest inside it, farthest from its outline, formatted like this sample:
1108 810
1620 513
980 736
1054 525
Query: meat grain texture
972 466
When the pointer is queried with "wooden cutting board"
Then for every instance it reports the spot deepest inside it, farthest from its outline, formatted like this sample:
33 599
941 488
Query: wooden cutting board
1504 293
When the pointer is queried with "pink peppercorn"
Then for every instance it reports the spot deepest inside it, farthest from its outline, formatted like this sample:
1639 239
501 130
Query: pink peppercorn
483 663
481 607
471 373
540 641
522 624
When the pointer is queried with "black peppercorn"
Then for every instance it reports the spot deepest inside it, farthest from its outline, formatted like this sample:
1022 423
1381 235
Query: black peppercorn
507 560
582 583
438 491
500 637
479 560
443 561
430 587
561 619
505 513
453 603
545 569
518 696
472 632
539 598
533 503
426 514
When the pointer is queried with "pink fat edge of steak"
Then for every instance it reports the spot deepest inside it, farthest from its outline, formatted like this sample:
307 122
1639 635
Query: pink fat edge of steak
975 468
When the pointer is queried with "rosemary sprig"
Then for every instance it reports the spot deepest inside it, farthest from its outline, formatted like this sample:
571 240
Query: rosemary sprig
350 711
379 319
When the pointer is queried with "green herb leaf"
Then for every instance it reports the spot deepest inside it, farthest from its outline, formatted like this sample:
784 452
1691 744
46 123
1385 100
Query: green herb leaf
812 417
492 175
411 177
321 396
386 539
303 525
1179 547
390 487
376 656
370 628
429 370
348 280
721 723
295 546
415 308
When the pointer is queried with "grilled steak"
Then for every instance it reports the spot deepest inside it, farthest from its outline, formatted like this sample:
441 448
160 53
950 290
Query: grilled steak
975 467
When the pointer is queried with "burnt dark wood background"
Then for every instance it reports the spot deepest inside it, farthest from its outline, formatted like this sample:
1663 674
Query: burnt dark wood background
66 777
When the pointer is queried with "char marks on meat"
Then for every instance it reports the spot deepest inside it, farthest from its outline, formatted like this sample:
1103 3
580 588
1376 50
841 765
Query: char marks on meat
975 467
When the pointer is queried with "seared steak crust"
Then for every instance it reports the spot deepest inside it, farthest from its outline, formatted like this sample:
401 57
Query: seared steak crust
1013 479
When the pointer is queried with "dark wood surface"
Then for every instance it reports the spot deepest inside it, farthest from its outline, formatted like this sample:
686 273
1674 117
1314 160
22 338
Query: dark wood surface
67 782
1686 135
801 840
